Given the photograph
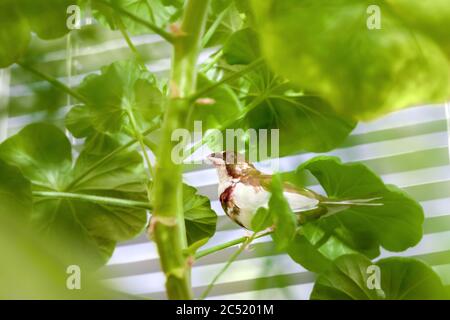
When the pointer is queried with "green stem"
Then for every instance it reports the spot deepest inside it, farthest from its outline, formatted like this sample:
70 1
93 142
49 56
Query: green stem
214 26
130 44
163 33
255 64
222 246
53 81
213 60
227 265
168 216
95 199
140 139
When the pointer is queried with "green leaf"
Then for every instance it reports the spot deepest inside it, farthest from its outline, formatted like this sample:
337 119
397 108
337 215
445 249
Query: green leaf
223 107
283 218
15 193
121 88
304 122
226 19
173 3
200 219
302 251
396 225
14 33
19 18
400 279
48 19
261 220
154 11
44 155
242 47
326 47
274 103
433 19
78 121
32 268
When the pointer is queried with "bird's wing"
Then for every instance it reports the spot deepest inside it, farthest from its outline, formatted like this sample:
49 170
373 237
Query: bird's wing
298 202
299 199
266 180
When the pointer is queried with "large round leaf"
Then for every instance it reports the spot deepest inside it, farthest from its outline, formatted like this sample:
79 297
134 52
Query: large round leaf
44 155
18 18
304 122
156 12
315 249
48 19
15 193
14 33
242 47
399 279
325 46
396 224
433 19
223 105
122 88
200 219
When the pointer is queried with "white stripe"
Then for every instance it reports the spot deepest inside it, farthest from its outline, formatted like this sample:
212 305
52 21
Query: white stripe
447 113
253 268
106 46
297 292
202 275
4 100
362 152
147 251
405 117
156 66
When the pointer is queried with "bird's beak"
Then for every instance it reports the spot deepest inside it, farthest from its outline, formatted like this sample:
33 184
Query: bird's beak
211 159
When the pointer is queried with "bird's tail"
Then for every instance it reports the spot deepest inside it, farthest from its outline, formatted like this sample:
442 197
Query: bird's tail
333 207
354 202
328 207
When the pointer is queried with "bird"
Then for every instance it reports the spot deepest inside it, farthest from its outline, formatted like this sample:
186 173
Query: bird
243 189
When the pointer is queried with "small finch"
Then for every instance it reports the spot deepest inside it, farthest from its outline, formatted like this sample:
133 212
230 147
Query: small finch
243 190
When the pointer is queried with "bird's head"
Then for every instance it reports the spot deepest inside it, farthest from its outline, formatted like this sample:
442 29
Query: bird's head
234 164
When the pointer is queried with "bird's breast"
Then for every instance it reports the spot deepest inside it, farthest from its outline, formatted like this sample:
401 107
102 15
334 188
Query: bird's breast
248 199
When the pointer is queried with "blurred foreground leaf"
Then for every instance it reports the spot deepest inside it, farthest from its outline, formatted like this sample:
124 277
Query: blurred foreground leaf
18 18
327 47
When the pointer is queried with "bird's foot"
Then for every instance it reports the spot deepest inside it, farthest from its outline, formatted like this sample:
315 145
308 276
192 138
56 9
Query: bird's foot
248 247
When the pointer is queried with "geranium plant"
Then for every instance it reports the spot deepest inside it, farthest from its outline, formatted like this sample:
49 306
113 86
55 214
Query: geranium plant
311 69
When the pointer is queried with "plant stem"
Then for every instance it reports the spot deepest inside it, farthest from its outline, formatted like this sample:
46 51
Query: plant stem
255 64
53 81
227 265
213 60
163 33
140 139
214 26
95 199
222 246
168 217
130 44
